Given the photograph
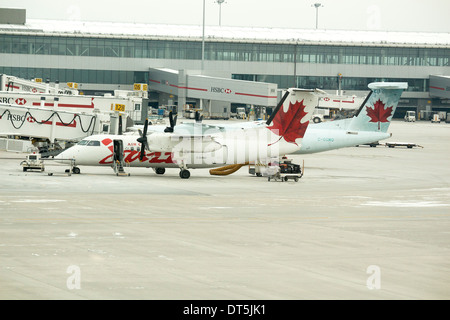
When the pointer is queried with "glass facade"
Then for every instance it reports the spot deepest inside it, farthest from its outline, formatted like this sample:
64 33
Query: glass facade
223 51
77 75
327 83
215 51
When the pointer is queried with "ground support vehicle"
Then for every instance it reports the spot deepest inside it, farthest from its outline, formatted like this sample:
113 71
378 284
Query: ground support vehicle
33 162
409 145
410 116
436 118
284 171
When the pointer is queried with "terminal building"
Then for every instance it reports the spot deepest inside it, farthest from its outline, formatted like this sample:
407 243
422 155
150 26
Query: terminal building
226 66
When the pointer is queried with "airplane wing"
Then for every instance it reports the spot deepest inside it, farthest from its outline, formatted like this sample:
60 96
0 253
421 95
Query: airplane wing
184 143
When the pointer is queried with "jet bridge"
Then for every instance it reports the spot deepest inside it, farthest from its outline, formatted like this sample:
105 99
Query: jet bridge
440 86
16 84
49 129
214 94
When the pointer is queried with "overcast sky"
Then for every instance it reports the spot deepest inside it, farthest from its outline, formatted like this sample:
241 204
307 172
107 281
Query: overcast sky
385 15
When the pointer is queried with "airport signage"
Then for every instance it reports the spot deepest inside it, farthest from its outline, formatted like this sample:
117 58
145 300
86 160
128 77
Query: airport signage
119 107
140 87
220 90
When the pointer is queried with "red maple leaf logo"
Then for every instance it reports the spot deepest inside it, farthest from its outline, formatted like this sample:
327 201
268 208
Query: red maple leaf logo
378 113
287 124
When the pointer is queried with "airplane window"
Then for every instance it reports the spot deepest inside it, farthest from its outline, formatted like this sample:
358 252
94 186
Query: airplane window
94 143
83 142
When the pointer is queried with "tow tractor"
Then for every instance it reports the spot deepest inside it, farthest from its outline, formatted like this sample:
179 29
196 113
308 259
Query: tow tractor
286 170
33 162
410 116
282 170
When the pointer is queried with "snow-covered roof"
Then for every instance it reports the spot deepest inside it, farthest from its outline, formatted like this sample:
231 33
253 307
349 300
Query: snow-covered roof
224 33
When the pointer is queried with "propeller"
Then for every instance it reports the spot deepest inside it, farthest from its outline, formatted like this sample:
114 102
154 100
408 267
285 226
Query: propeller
143 140
172 121
198 117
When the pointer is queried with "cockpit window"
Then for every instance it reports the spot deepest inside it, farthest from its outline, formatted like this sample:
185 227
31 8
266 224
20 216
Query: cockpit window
94 143
83 142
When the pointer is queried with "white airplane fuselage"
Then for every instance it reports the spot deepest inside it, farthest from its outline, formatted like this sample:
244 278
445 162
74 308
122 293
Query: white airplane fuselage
330 135
319 139
226 148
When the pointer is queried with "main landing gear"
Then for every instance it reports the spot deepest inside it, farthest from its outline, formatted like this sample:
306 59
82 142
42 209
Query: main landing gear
184 174
160 170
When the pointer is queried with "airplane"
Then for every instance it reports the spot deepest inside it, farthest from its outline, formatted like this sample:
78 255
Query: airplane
205 147
369 125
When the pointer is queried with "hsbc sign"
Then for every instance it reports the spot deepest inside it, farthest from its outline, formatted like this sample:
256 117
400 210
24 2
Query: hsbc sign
20 101
6 100
220 90
17 117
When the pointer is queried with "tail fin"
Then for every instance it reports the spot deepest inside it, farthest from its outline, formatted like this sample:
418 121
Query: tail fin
376 111
291 117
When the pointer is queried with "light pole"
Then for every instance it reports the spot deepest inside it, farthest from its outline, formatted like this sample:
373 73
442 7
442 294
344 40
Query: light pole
203 36
220 10
317 6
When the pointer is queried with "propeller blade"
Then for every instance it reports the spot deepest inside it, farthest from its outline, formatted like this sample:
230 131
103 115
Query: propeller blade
143 141
120 125
145 128
198 117
171 119
172 122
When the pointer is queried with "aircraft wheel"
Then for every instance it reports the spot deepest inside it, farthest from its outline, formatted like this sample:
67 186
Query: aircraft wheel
160 170
185 174
76 170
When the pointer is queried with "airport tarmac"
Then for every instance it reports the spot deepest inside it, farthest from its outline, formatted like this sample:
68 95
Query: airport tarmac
362 223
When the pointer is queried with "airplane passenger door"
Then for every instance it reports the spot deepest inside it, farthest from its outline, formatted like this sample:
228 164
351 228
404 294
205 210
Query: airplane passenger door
118 150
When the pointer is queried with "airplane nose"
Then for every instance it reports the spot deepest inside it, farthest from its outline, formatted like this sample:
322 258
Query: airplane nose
65 155
59 156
